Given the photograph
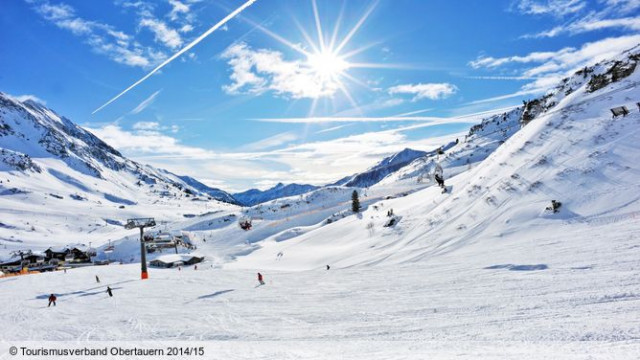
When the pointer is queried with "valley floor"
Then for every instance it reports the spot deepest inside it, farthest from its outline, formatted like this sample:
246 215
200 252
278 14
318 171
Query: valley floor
574 294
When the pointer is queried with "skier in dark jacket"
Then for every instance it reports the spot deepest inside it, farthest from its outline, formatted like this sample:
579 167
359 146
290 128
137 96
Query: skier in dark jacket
439 180
260 279
109 291
97 279
52 299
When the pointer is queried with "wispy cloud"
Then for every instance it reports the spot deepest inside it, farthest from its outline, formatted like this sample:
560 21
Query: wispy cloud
433 91
339 119
427 120
603 14
548 68
177 8
162 32
153 128
549 7
146 138
182 51
415 112
315 162
146 102
102 38
333 128
271 142
591 23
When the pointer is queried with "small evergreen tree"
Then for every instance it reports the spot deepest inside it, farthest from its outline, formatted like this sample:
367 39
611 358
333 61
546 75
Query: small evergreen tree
355 202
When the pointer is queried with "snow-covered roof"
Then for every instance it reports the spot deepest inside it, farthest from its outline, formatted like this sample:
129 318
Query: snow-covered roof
172 258
58 249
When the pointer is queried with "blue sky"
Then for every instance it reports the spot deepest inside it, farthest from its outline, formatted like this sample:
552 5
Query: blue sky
263 99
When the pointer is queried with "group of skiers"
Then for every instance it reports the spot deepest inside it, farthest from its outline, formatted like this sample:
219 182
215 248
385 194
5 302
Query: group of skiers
52 298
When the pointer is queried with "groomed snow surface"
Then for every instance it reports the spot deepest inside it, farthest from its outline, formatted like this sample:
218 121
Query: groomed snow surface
559 296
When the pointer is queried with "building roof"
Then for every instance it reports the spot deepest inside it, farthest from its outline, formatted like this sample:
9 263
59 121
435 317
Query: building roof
172 258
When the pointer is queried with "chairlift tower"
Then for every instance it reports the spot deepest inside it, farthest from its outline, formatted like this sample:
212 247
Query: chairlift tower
141 223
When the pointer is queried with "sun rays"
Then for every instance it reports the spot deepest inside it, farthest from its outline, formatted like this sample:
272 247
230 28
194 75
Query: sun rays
327 55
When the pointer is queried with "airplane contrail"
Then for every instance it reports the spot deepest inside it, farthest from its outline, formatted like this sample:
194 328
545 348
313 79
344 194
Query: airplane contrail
182 51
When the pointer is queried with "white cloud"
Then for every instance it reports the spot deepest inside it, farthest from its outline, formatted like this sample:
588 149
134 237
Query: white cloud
548 68
177 8
271 142
622 6
549 7
102 38
146 139
146 125
591 23
27 97
145 103
186 28
333 128
433 91
612 14
491 62
259 71
318 163
153 128
162 32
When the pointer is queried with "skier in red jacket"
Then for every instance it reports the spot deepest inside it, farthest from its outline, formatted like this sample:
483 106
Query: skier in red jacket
52 299
260 279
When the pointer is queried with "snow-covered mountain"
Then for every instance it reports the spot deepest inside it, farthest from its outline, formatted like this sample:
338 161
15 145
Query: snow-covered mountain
254 196
563 146
48 162
30 130
385 167
212 192
364 179
486 268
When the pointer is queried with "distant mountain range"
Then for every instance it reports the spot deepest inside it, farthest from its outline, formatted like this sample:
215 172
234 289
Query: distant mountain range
30 131
254 196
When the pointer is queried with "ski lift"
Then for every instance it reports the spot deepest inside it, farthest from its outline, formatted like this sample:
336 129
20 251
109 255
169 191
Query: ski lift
245 223
438 169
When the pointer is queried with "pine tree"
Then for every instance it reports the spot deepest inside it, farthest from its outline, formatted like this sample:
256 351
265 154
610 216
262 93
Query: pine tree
355 202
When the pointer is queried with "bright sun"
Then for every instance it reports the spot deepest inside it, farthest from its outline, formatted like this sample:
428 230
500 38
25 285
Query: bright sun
327 64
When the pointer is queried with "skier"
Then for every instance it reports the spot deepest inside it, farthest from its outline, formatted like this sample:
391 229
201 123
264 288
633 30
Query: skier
97 279
52 299
328 267
260 280
439 180
195 267
438 175
109 291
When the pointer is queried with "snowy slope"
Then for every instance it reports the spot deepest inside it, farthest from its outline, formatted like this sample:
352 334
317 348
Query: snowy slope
574 153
